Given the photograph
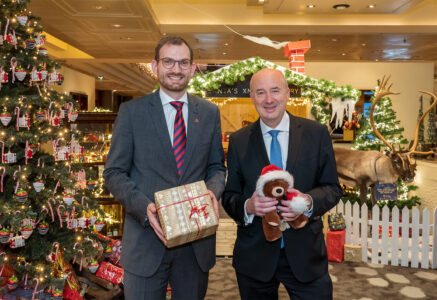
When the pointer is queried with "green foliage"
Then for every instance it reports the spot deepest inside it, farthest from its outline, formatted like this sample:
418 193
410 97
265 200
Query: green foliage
317 90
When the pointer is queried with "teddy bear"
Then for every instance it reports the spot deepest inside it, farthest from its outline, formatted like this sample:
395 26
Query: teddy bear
275 183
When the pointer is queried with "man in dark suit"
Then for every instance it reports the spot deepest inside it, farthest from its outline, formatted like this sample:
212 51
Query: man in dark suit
303 148
163 140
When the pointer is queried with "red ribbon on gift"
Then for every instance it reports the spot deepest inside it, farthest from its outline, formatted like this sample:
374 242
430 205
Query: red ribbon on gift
194 209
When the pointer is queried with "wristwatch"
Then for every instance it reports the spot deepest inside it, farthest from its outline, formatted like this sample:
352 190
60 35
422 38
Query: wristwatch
146 221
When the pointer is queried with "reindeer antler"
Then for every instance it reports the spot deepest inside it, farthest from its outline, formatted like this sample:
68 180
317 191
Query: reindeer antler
380 92
416 134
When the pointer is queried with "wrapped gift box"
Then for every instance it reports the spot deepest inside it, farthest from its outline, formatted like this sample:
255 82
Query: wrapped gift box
335 241
352 253
186 213
110 272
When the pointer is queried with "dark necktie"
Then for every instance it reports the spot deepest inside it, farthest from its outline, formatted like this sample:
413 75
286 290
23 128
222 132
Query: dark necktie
179 135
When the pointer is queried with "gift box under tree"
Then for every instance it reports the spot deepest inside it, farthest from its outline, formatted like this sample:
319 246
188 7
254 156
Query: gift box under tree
335 241
186 213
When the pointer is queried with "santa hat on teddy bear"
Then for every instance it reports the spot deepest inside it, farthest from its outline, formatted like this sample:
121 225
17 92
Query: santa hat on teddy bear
271 172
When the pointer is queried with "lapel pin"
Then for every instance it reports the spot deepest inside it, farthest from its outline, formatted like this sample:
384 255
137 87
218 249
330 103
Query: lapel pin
196 120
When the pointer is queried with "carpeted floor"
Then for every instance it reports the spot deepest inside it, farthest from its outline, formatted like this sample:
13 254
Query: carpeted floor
351 281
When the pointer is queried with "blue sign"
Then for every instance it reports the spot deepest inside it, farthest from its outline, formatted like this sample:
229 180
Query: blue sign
366 109
386 192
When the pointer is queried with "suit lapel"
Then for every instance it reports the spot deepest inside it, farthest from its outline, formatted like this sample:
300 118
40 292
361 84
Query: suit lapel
257 145
193 131
294 142
156 114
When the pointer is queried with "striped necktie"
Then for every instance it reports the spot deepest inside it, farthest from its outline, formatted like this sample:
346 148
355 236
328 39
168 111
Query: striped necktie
179 135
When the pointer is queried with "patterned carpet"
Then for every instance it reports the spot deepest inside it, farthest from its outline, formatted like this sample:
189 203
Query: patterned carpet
352 281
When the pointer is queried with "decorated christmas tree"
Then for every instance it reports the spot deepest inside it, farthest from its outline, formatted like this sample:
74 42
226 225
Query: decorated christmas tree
45 207
387 124
421 137
432 137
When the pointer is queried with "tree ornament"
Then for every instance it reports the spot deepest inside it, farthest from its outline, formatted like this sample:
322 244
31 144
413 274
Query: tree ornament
44 73
43 51
17 241
20 73
93 266
43 228
40 41
68 199
12 283
5 118
90 184
99 225
35 75
38 184
57 294
21 195
22 19
26 231
4 77
5 235
40 115
8 158
30 44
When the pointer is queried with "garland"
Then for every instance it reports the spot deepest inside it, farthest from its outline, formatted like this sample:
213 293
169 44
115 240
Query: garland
317 90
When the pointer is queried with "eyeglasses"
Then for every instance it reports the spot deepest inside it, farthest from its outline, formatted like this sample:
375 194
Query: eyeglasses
169 63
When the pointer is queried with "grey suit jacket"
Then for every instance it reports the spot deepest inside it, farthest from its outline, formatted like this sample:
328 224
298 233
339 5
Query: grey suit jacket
141 162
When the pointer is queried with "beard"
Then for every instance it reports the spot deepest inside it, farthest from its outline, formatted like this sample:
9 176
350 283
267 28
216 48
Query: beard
167 83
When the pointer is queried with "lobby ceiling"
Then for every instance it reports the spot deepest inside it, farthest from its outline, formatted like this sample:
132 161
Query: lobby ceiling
117 34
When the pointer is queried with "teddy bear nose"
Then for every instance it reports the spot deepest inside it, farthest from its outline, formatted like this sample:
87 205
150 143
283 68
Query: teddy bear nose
278 191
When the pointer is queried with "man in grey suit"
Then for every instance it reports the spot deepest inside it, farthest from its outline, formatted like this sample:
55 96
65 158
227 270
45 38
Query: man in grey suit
163 140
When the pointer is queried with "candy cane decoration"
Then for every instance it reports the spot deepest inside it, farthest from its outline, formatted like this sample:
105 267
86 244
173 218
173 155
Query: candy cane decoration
59 214
3 175
56 244
6 29
15 38
74 248
25 280
36 287
81 259
13 66
54 145
26 149
17 113
70 110
16 186
83 197
43 209
56 187
1 71
51 209
3 149
1 271
39 160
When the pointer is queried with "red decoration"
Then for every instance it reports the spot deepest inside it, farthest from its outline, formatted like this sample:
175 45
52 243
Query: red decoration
116 252
110 272
335 241
71 294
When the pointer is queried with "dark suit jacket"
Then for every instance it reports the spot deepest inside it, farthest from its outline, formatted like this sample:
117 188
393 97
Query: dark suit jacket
141 162
311 161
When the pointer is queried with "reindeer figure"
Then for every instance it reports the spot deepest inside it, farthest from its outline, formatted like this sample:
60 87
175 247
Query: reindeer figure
364 169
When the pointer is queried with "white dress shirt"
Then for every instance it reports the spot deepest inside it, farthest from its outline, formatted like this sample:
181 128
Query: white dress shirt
283 138
170 111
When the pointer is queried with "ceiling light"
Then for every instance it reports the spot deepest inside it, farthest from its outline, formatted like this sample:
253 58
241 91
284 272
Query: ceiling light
311 6
341 6
129 38
100 77
224 53
226 44
363 44
261 1
334 40
343 54
116 25
99 7
371 6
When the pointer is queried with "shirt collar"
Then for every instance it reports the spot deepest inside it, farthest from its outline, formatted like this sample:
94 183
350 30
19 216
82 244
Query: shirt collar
284 125
166 99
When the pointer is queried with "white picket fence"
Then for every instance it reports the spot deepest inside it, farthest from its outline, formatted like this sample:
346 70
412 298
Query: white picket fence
371 231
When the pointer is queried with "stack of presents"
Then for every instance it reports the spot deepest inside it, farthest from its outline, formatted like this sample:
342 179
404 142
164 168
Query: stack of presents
338 250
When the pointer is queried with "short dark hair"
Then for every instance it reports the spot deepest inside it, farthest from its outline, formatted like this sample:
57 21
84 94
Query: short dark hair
171 40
